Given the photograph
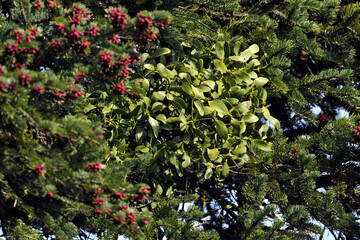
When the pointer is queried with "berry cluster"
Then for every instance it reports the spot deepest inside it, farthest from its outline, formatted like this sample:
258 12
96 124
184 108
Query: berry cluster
11 49
2 86
76 15
58 96
38 89
144 37
117 18
38 4
34 31
79 77
143 22
114 39
162 23
55 46
96 191
92 32
119 89
94 167
39 169
21 54
140 194
105 59
24 79
1 71
324 118
74 94
118 195
60 28
98 201
18 36
295 151
11 87
52 4
356 133
74 35
81 47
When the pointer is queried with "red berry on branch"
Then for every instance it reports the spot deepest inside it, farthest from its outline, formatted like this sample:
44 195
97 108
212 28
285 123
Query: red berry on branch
38 89
295 151
98 201
94 167
119 89
117 18
38 5
60 27
92 32
1 71
98 211
39 169
324 118
24 79
55 45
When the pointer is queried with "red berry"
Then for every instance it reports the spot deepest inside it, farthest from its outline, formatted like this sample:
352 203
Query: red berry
295 151
39 169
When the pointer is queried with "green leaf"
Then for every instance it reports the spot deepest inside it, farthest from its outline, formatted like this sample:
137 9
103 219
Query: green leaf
260 81
159 155
149 67
179 169
157 106
239 150
262 145
219 106
155 126
227 49
242 127
238 58
161 118
212 153
246 54
208 173
169 192
221 129
88 108
200 107
236 124
163 70
159 189
161 51
179 103
140 135
197 93
237 48
186 161
225 169
241 76
250 118
254 48
219 50
270 118
243 107
106 110
220 66
187 87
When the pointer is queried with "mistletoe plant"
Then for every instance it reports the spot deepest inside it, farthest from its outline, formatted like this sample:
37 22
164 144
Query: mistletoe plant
54 179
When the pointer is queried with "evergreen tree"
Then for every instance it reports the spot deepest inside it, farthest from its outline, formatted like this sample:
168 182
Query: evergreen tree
56 177
188 118
311 59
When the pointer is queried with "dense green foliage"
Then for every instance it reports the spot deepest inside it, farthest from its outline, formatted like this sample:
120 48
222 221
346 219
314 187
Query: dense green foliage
215 112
